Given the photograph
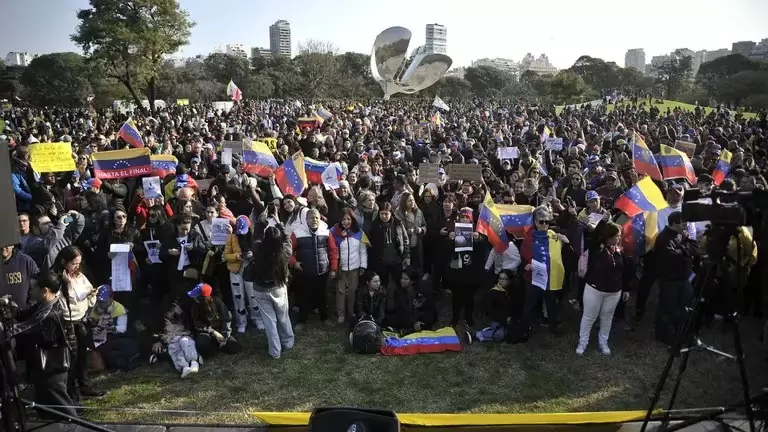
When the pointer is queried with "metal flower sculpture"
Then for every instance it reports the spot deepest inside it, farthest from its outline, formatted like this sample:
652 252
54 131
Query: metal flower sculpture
388 63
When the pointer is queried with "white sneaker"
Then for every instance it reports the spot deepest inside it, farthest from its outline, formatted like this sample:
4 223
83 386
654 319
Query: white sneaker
260 325
195 367
199 359
186 371
580 349
605 350
241 329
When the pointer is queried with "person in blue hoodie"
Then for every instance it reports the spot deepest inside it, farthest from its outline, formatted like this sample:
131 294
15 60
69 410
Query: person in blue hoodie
17 268
19 167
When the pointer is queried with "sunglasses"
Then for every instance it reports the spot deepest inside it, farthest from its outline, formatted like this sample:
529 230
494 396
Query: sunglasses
542 222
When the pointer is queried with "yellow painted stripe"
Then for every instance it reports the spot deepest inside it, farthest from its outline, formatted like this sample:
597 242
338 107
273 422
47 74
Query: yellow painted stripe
415 419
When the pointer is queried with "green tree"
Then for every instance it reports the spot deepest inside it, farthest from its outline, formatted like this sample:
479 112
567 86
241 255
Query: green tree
284 76
735 89
673 73
567 87
223 67
597 73
712 72
319 68
452 88
10 87
129 38
487 81
57 79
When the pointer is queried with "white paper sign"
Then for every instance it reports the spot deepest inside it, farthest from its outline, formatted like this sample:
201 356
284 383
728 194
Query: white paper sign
553 144
594 219
219 231
539 276
330 176
508 153
153 251
151 187
226 156
183 257
121 273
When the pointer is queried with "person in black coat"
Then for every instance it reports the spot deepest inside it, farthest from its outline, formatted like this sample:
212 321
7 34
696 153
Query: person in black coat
370 300
415 308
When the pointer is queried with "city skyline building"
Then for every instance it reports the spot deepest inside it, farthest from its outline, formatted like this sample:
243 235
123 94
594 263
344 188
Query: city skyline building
280 38
436 39
635 58
743 47
236 50
540 65
14 58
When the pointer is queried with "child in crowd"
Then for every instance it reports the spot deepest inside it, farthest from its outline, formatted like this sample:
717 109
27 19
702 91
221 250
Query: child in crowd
109 326
177 340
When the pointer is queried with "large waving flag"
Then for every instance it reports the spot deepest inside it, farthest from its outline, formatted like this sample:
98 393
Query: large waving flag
307 123
440 104
163 165
324 113
517 219
315 169
547 249
122 163
639 232
722 167
233 91
291 177
489 224
258 159
130 134
643 159
423 342
642 196
675 164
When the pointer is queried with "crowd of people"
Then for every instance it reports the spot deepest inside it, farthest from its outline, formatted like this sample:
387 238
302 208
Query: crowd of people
381 245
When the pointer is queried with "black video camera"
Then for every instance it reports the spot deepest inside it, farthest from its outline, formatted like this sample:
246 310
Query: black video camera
724 208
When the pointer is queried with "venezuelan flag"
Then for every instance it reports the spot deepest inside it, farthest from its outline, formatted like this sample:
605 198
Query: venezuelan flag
163 165
489 224
546 133
643 159
130 134
315 168
547 249
359 235
258 159
306 123
436 119
423 342
722 167
122 163
291 177
517 219
639 232
643 196
324 114
675 164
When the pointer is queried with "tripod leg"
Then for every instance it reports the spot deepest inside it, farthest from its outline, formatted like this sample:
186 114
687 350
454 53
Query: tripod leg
734 324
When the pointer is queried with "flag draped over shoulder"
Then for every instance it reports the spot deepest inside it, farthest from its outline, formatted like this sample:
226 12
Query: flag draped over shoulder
130 134
291 177
547 249
359 235
638 232
489 224
122 163
163 165
423 342
675 165
643 159
258 159
722 167
642 196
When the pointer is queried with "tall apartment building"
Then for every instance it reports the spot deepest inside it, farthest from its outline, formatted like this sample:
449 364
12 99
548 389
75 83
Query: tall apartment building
760 51
19 58
280 38
716 54
260 52
743 47
237 50
437 39
507 65
635 58
540 65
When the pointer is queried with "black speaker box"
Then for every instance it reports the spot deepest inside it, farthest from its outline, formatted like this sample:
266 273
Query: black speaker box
353 420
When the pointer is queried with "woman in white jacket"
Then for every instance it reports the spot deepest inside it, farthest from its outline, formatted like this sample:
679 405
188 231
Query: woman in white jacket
353 261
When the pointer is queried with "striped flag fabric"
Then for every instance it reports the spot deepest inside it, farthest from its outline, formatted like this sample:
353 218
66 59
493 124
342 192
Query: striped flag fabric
489 224
315 169
291 177
116 164
638 232
642 196
324 113
547 249
722 167
233 91
163 165
517 219
423 342
258 159
675 165
130 134
643 159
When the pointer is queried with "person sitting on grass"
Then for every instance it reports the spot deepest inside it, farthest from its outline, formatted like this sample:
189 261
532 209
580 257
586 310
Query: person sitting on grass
211 322
497 309
370 300
415 308
109 326
177 341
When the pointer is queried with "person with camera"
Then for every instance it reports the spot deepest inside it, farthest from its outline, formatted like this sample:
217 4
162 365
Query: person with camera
47 344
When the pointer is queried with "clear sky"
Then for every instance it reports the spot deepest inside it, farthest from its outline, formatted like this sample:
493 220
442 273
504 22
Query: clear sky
562 29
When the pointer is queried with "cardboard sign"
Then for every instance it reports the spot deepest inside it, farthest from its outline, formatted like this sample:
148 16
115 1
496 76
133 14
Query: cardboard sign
508 153
468 172
236 146
428 173
52 157
688 148
553 144
270 142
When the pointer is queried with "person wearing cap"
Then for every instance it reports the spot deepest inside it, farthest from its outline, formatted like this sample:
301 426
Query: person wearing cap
593 212
108 320
211 323
238 256
611 191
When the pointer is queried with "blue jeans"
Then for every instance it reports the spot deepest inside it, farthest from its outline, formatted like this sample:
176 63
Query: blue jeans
495 332
273 305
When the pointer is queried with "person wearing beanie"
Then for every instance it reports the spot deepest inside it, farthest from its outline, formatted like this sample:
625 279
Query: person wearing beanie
176 339
108 320
461 277
211 322
238 256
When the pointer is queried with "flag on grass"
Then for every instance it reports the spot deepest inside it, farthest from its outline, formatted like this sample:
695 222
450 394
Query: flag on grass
258 159
643 159
291 177
130 134
423 342
675 164
122 163
722 167
642 196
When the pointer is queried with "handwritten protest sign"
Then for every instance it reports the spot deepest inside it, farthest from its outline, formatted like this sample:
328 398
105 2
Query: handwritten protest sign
508 153
52 157
553 144
469 172
428 173
270 142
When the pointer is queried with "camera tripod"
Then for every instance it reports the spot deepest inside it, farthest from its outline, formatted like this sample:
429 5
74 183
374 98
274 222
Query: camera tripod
688 340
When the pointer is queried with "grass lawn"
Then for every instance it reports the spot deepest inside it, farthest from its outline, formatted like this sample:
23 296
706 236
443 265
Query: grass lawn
672 105
544 375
